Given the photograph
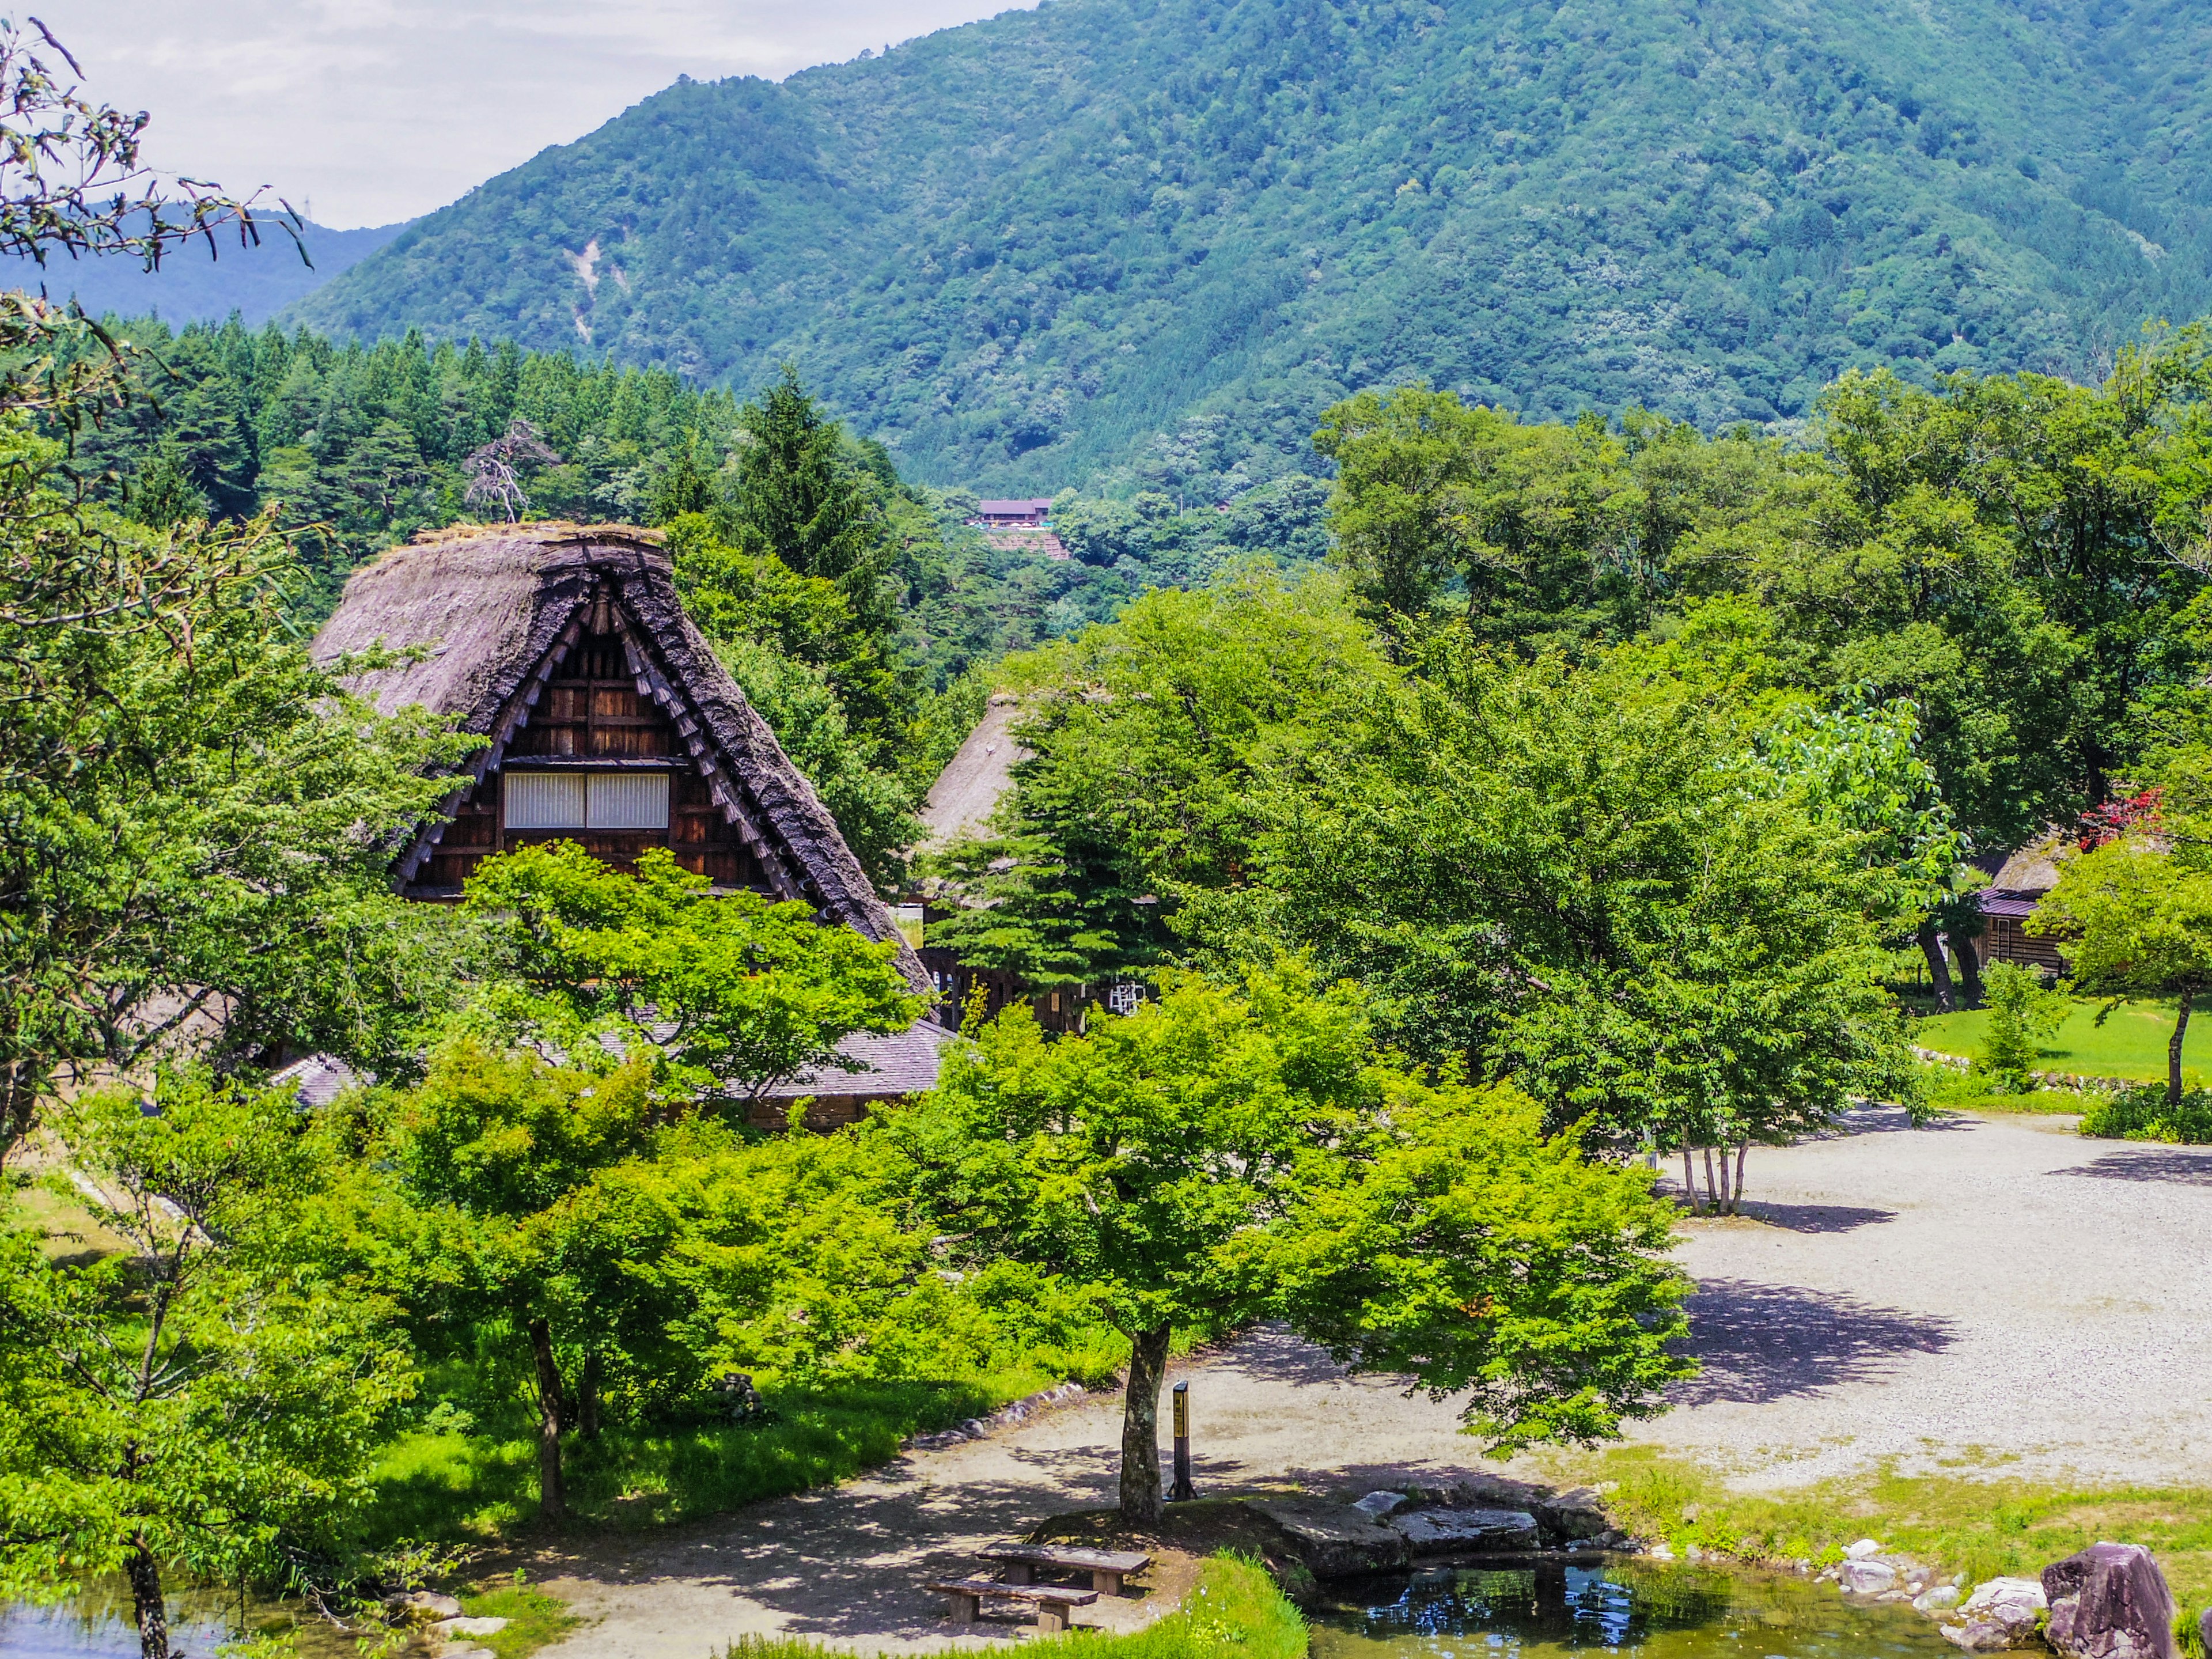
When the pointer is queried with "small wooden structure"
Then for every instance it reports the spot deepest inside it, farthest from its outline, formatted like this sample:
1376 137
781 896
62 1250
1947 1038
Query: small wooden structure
1002 514
2011 897
1053 1602
1107 1568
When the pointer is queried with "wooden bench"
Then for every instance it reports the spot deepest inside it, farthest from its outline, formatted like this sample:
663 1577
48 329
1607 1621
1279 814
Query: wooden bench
1052 1601
1107 1568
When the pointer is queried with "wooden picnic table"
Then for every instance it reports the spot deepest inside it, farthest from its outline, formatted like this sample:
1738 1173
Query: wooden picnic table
1107 1568
1052 1601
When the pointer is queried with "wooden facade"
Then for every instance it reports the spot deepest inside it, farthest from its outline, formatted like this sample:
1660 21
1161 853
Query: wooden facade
591 721
605 719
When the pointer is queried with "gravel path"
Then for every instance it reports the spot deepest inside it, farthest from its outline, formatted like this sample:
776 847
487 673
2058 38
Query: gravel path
1983 1292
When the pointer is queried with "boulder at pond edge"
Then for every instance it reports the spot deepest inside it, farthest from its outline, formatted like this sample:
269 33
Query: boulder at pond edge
2108 1602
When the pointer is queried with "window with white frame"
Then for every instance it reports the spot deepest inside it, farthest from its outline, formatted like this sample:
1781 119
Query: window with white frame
587 800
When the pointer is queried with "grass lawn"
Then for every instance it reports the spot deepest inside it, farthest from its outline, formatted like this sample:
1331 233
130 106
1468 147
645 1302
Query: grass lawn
2131 1042
1955 1523
484 1487
533 1619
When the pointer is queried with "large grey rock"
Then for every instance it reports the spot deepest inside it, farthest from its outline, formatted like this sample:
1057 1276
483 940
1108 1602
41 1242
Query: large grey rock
1861 1550
1866 1577
1332 1539
1570 1516
2001 1613
1936 1599
1449 1531
1379 1503
2109 1601
449 1628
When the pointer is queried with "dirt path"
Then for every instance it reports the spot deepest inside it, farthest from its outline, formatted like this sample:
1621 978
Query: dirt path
1991 1293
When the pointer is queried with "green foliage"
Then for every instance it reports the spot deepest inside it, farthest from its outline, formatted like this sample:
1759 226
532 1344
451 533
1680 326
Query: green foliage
734 990
533 1619
206 1399
1465 1248
645 1474
1014 278
2151 1114
194 818
1149 737
1216 1154
2135 919
2023 1015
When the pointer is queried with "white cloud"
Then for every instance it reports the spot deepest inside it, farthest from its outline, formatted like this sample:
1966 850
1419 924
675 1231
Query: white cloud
370 111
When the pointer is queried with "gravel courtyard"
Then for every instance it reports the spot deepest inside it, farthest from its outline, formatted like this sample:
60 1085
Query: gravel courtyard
1981 1290
1989 1293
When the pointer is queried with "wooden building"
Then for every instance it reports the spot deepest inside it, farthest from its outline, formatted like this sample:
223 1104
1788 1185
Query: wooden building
606 718
2011 898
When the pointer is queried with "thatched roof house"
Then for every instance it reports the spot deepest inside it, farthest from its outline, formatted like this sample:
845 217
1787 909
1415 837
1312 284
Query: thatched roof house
606 717
2010 899
968 790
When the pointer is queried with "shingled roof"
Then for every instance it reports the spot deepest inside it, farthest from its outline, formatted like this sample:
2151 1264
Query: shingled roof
495 607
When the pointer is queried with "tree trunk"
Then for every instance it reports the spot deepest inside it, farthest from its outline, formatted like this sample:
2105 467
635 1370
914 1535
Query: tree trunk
2173 1053
1969 952
1712 1188
1690 1183
1727 1192
1743 1148
1140 1426
1939 970
587 1397
145 1575
552 1502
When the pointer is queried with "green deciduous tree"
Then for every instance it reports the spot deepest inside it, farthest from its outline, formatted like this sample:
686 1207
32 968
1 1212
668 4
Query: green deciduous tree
2135 921
194 818
735 991
189 1394
1218 1154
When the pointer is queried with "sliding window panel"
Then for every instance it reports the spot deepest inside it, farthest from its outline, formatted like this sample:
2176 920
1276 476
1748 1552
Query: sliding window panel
630 800
544 800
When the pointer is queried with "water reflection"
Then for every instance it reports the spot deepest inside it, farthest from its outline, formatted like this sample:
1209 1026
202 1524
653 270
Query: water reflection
89 1630
1650 1611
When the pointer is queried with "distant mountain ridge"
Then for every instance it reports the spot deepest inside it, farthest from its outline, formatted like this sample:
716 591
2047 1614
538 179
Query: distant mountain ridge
1016 251
197 285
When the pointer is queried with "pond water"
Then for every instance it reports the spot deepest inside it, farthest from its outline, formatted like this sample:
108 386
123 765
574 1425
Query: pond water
1650 1610
98 1624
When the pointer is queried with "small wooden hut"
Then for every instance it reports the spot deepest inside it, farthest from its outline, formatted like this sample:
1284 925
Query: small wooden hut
606 718
2011 898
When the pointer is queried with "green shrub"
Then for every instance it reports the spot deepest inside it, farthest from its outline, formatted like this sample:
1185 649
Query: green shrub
1977 1090
2144 1114
2023 1015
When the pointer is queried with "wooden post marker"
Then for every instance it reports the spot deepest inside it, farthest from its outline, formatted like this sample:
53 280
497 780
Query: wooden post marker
1183 1492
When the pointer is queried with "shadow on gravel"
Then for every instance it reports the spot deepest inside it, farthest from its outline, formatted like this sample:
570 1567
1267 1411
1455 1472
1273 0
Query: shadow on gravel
2190 1166
1762 1342
1816 1218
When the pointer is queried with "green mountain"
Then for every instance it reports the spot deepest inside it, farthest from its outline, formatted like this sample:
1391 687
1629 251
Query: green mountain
1017 251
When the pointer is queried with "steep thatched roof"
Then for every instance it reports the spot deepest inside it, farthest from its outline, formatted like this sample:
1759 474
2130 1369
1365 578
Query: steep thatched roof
968 789
496 607
2034 868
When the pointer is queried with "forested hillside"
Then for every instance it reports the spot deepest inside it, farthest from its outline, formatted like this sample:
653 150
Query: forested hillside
1015 251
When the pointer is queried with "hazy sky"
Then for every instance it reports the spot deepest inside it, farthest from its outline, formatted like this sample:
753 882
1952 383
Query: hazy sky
370 111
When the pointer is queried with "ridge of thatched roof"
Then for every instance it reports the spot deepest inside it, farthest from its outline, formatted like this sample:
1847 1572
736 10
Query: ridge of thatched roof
2034 868
490 609
968 790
